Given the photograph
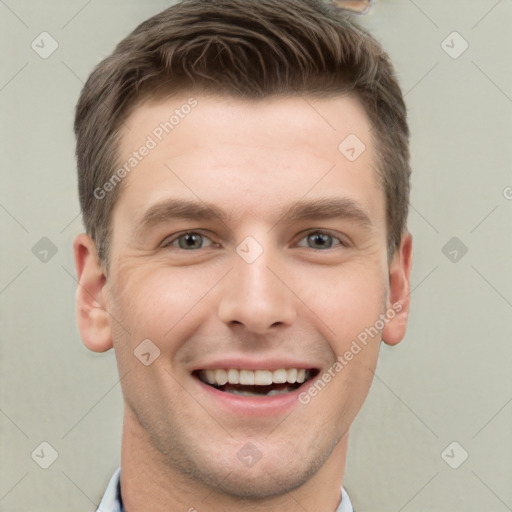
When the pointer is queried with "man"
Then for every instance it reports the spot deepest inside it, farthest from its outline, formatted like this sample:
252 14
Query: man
244 180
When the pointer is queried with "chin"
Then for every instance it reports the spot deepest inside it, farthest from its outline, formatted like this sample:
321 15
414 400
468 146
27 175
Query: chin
267 478
264 482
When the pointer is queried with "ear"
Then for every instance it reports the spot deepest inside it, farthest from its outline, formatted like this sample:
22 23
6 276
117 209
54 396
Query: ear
92 317
399 292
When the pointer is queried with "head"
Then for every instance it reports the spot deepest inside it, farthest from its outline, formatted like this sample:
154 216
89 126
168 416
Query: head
244 181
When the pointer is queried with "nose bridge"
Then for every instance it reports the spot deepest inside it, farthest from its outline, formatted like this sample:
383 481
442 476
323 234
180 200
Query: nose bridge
253 295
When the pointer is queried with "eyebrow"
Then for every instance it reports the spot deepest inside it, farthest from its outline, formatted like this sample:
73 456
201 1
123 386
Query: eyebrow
313 209
327 208
180 209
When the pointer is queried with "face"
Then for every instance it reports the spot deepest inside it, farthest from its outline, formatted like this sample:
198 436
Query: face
250 250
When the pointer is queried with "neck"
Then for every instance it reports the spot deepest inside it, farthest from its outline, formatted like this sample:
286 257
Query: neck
149 483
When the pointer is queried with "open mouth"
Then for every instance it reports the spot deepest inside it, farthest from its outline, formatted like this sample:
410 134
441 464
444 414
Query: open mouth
256 383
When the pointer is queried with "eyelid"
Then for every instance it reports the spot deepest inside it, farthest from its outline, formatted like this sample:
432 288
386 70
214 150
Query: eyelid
168 240
341 240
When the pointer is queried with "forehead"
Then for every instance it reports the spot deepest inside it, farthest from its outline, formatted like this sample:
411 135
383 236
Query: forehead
273 121
251 156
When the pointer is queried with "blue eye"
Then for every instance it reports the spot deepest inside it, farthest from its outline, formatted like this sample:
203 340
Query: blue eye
193 241
189 241
319 240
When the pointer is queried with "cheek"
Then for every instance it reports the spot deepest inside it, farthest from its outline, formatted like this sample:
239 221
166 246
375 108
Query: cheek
349 307
157 302
347 300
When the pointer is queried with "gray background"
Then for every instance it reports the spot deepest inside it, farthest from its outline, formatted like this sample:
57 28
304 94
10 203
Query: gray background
449 380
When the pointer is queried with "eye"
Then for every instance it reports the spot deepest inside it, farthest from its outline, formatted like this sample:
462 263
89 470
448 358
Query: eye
188 241
319 240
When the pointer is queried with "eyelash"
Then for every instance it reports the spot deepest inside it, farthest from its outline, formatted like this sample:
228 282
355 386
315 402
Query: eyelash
169 241
174 238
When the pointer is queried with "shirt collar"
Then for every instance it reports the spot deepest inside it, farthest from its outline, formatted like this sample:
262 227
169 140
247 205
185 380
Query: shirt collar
346 504
112 501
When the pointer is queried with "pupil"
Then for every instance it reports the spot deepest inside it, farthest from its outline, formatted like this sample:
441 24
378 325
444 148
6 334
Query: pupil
320 240
191 241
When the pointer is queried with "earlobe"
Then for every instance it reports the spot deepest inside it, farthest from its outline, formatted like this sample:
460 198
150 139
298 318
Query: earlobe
92 317
397 307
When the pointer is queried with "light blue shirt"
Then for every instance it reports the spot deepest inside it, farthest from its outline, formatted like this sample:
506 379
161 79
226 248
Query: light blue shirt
112 502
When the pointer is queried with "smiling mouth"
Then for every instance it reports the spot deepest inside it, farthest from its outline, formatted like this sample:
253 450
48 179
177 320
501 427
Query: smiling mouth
256 383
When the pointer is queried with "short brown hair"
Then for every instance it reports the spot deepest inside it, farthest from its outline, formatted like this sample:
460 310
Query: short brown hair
243 48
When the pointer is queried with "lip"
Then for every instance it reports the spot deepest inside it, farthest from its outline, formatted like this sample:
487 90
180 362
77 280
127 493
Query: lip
253 364
248 406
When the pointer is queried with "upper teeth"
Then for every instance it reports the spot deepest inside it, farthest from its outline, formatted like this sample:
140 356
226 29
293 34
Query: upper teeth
253 378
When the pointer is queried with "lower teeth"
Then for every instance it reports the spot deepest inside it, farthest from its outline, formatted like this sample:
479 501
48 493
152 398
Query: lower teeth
270 393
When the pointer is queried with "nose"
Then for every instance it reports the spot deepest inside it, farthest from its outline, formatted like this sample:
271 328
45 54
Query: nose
256 296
